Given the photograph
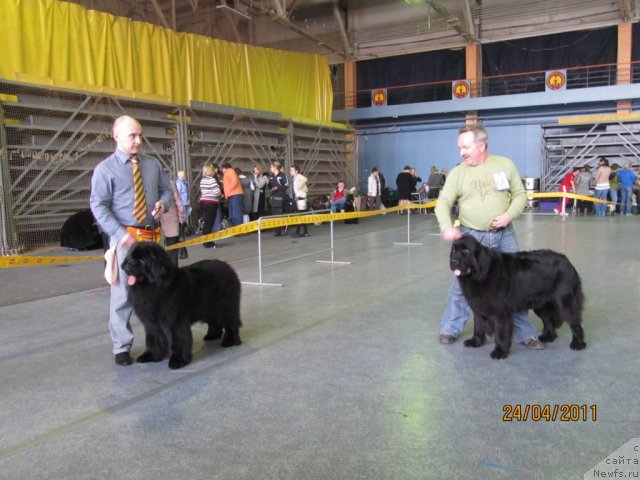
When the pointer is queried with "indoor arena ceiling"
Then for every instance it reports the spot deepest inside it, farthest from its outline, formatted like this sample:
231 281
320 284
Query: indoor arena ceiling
348 30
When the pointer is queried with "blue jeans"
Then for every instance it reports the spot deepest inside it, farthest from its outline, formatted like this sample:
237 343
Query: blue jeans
236 203
457 311
613 194
601 208
625 200
338 204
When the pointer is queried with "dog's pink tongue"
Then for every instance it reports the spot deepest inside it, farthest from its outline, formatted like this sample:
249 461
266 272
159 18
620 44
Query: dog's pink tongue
131 280
457 272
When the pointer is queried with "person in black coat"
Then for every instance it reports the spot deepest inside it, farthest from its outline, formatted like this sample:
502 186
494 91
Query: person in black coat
405 182
278 184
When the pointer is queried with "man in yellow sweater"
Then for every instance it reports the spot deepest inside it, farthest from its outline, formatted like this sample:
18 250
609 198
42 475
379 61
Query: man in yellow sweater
489 192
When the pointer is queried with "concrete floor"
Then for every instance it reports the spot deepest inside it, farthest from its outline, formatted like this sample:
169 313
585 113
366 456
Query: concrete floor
340 376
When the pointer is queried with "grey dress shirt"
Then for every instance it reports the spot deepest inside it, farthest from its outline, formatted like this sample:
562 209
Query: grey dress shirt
112 191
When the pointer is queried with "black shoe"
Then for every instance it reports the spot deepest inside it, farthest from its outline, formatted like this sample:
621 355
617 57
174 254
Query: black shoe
209 245
123 358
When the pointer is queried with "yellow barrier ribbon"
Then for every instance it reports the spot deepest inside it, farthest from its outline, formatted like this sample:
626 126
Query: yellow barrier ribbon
266 223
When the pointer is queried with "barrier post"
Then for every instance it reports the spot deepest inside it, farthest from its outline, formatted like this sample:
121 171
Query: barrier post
331 248
260 282
408 242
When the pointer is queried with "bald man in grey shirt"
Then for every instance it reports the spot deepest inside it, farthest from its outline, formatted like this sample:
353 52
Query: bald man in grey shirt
112 204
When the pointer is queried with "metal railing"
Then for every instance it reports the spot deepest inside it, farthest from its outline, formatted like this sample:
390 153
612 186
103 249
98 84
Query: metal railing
515 83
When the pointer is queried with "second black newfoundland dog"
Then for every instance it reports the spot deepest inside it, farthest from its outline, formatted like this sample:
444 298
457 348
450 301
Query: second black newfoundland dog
497 285
168 299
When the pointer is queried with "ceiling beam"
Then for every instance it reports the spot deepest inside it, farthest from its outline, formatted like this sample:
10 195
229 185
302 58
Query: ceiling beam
279 8
626 10
291 8
285 22
453 21
158 10
341 29
229 13
468 18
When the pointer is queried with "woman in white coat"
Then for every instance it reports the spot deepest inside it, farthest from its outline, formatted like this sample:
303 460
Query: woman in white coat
300 191
374 190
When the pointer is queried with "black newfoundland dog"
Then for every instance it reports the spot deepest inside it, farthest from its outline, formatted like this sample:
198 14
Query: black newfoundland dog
497 285
168 299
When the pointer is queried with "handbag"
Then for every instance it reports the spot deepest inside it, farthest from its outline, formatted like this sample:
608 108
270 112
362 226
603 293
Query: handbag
277 202
301 204
289 205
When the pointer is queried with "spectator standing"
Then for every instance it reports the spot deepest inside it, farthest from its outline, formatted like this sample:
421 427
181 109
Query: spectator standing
405 184
183 190
279 185
383 185
218 221
259 182
582 181
128 189
233 193
566 185
374 190
245 182
626 179
300 191
601 178
435 182
210 195
171 222
416 179
614 186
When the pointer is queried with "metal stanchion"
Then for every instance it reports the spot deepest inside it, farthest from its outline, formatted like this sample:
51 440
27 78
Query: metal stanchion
260 282
260 265
408 242
331 249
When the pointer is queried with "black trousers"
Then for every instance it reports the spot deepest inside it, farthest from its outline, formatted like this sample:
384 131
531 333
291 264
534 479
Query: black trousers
172 253
209 211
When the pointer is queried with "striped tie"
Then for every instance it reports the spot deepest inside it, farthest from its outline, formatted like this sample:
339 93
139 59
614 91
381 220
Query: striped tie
139 200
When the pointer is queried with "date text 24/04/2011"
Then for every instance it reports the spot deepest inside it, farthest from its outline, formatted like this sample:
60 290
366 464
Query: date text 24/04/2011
534 412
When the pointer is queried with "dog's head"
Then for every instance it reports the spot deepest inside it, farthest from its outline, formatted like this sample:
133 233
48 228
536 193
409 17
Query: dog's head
148 263
469 258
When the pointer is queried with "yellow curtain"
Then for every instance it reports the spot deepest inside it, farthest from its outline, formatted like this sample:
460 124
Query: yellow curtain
55 40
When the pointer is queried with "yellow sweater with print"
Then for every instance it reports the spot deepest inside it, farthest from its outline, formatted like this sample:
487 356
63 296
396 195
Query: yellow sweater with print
483 192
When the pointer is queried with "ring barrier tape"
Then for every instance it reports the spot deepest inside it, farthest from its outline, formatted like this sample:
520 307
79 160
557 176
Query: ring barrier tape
266 223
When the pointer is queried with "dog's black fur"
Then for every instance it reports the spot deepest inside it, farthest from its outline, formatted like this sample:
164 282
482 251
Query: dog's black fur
168 299
497 285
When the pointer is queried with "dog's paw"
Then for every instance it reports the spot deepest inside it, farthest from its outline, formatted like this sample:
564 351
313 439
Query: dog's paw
498 354
473 342
230 340
176 362
213 334
148 357
547 337
578 344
